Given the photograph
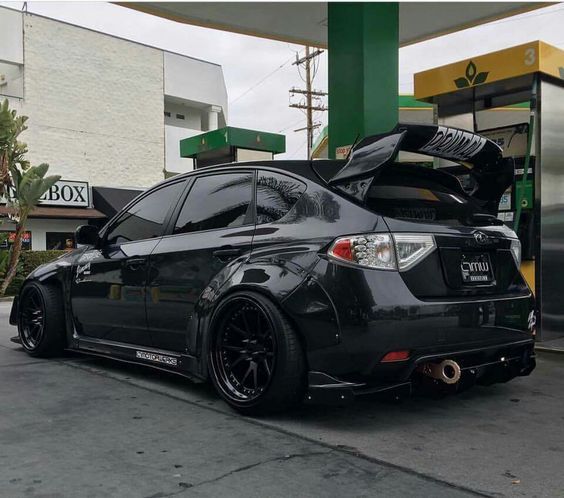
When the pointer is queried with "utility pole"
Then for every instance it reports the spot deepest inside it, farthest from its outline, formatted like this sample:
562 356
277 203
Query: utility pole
310 95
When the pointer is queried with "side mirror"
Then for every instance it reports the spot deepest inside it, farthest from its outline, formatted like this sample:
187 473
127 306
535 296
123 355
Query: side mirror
87 235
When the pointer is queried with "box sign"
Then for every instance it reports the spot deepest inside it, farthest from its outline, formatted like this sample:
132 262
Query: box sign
66 193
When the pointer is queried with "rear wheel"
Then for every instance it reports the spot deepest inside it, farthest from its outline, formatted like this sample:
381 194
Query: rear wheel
256 360
41 325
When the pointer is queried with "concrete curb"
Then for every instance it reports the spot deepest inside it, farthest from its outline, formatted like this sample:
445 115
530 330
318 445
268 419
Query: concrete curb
551 350
6 299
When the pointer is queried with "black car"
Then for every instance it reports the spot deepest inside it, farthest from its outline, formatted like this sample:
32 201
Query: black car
289 280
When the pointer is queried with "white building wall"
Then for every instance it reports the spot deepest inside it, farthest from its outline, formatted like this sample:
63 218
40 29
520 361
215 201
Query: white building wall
174 162
195 80
11 80
11 38
95 105
192 116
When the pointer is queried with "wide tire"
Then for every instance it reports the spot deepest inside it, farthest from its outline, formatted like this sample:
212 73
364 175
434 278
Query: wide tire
41 321
256 361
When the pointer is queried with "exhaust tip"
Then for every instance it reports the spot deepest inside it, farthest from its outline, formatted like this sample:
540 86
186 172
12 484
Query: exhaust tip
447 371
450 371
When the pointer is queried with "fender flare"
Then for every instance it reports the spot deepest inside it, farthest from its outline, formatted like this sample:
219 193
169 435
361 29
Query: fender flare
59 275
255 277
291 288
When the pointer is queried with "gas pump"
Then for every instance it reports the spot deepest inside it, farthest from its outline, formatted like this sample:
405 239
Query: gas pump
516 98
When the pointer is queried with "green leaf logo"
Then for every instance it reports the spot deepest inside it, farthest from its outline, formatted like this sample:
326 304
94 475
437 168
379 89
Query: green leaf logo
472 77
461 82
481 78
470 71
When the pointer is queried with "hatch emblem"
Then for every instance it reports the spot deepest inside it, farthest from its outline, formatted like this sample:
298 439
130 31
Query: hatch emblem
481 237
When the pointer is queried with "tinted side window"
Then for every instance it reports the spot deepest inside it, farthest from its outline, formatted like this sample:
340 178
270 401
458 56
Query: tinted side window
144 220
276 195
216 201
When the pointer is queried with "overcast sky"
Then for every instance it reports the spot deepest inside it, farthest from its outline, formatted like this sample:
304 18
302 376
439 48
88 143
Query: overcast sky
247 60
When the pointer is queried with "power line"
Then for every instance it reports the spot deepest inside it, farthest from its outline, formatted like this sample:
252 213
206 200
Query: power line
307 105
297 150
290 126
260 82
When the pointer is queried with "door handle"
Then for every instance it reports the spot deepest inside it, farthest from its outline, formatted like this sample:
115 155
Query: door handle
135 263
226 254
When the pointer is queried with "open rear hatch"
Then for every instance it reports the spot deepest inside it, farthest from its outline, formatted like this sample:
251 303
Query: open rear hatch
475 253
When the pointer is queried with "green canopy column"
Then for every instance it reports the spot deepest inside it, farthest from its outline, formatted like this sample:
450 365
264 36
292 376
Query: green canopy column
363 70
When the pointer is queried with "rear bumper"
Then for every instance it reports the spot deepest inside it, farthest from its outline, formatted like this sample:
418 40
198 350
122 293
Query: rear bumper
485 366
375 314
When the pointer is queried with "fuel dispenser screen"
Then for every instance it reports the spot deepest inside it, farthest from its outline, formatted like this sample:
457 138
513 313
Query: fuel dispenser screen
513 140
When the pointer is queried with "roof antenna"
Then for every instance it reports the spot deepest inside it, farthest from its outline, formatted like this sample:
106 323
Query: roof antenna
352 147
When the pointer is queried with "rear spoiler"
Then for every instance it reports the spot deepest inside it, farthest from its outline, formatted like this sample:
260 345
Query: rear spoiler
479 156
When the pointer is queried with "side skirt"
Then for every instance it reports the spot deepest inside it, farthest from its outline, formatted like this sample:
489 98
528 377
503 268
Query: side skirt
168 361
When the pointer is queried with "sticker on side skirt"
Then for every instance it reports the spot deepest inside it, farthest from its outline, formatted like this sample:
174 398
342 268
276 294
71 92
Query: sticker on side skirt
157 358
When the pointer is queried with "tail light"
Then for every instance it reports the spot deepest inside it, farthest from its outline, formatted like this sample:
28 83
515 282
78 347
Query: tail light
516 251
369 250
412 248
383 251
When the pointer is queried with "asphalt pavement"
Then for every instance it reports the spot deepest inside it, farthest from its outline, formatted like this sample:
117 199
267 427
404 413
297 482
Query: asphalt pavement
78 426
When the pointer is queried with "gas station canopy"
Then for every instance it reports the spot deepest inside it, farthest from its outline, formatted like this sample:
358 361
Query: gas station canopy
306 22
491 80
363 40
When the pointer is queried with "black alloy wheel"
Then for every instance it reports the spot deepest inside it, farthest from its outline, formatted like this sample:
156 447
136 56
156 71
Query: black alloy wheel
245 350
41 324
32 321
256 360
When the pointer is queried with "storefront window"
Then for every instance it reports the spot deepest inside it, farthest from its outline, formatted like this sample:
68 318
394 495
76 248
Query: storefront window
60 241
7 239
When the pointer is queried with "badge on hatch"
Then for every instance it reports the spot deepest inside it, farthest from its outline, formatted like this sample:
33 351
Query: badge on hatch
481 237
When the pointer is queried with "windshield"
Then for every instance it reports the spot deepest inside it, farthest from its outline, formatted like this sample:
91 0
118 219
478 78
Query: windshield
417 193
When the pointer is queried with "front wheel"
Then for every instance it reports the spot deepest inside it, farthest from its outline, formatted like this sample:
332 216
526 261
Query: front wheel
41 325
256 361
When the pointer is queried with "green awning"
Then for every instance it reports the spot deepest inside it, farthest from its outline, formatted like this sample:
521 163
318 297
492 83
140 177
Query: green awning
232 137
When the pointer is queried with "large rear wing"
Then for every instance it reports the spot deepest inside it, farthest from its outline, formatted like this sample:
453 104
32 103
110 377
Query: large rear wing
479 156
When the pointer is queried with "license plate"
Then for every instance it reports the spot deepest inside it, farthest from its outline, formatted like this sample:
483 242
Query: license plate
476 268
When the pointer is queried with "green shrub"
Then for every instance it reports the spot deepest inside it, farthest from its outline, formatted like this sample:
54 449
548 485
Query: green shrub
29 261
32 259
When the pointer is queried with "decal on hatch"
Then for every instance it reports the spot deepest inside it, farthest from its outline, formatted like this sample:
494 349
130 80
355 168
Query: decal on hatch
451 143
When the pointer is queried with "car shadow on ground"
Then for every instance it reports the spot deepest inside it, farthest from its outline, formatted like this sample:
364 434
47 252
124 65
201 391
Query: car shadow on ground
364 413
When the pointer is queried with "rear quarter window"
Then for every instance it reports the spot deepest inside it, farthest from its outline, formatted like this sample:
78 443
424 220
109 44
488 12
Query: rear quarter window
276 196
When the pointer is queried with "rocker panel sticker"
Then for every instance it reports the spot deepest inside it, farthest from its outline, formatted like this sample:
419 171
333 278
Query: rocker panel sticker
157 358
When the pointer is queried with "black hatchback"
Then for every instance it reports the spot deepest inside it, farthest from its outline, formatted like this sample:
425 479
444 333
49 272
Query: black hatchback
320 280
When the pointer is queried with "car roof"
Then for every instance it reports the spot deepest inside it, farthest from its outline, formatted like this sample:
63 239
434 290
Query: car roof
318 171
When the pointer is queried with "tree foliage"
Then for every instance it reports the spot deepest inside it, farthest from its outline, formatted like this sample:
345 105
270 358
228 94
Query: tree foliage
21 184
